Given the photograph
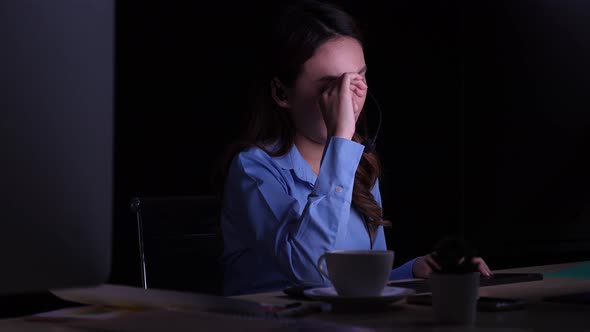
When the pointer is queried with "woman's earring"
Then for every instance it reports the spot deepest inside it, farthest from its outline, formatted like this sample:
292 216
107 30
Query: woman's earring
281 94
279 91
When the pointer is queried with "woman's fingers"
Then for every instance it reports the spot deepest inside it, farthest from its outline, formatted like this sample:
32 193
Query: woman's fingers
422 268
359 92
360 82
430 260
345 83
483 267
332 88
359 89
340 105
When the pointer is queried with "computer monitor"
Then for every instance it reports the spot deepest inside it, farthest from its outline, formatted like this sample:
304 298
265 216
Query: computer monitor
56 143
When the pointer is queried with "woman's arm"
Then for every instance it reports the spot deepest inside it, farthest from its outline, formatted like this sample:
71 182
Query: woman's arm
258 206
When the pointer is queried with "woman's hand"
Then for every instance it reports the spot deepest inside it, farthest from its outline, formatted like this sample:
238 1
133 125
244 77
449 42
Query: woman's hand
341 103
359 88
483 267
425 265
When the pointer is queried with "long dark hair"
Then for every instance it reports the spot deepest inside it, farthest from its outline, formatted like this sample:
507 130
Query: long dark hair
298 29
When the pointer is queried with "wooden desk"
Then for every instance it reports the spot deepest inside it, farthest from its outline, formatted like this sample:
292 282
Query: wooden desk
538 315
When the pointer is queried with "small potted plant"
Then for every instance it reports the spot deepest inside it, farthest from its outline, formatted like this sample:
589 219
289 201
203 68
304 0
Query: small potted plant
455 285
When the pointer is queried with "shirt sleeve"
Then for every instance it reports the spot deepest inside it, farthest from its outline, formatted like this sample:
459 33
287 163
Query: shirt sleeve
258 195
404 271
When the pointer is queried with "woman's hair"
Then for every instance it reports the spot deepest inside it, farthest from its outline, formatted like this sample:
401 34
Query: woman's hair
298 29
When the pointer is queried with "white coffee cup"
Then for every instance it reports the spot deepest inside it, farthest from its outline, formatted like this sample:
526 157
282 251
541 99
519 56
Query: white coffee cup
357 273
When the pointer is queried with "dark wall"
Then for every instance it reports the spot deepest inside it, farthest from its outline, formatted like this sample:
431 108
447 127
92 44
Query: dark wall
527 128
181 70
483 124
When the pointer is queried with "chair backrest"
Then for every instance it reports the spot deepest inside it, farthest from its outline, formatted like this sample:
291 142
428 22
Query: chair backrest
179 242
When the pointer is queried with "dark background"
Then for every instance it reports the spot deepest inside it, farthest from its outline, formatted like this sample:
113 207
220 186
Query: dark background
484 127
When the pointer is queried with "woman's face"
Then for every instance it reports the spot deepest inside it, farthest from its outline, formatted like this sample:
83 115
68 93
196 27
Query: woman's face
334 58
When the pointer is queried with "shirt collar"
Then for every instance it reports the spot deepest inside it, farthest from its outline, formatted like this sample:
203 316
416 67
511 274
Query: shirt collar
293 160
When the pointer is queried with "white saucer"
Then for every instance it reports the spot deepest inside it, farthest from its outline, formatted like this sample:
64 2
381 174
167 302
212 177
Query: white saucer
388 295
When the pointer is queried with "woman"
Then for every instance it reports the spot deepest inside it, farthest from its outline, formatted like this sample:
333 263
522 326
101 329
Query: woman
303 183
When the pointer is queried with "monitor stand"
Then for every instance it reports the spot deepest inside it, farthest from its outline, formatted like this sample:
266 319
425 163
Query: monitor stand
19 305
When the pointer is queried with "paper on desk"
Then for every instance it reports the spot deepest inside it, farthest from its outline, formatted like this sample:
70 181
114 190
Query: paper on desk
139 298
92 312
178 321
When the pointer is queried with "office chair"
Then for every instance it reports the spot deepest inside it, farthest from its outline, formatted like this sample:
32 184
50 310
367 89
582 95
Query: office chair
179 243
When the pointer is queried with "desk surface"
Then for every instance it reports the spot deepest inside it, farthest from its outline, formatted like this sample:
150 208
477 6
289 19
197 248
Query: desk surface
538 315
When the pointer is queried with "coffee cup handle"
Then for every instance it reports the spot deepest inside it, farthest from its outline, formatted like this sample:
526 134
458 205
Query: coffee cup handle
320 264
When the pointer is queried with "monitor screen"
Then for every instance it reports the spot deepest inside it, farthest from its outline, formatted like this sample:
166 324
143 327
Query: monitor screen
56 129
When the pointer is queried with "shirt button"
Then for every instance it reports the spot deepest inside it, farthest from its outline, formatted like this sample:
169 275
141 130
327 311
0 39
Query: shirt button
339 189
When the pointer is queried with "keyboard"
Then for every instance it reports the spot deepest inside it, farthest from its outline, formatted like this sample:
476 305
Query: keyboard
422 286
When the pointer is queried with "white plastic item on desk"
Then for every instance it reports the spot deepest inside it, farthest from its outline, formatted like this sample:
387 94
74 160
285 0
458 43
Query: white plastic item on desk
454 297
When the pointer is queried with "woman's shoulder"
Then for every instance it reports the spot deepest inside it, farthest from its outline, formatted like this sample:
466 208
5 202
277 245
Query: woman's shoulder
257 157
258 165
256 152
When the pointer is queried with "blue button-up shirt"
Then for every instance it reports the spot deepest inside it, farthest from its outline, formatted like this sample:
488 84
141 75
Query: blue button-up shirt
278 218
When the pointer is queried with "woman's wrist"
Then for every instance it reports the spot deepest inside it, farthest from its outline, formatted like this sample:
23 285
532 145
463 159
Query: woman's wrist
343 133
